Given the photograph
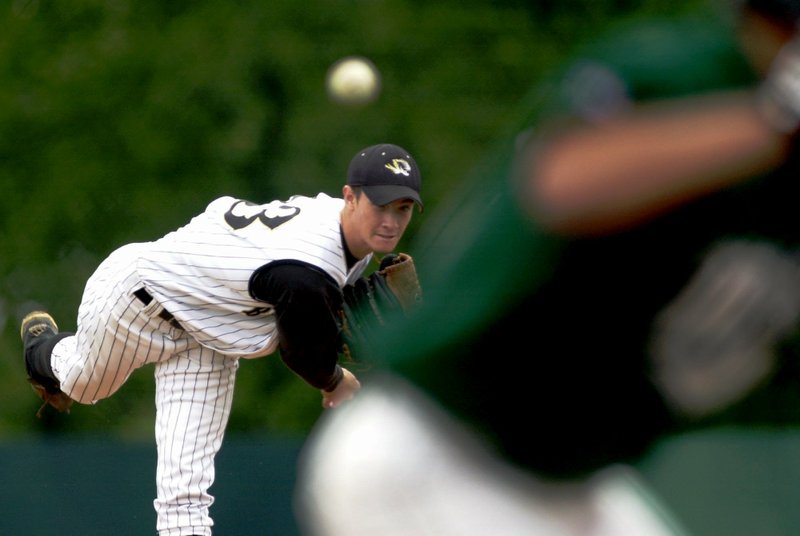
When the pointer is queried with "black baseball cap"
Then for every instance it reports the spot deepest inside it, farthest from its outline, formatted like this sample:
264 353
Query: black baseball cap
386 173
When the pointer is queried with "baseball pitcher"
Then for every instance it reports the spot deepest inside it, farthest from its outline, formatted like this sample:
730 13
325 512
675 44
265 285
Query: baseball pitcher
240 280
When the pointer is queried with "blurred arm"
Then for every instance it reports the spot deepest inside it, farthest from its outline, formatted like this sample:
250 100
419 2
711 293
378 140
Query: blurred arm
601 178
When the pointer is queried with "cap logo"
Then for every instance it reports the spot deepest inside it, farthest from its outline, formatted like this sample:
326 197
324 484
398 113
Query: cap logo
398 166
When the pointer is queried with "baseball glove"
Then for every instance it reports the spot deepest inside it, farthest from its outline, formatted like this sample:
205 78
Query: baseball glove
371 301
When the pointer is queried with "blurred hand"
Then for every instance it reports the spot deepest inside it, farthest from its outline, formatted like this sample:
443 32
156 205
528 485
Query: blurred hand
779 96
717 340
344 391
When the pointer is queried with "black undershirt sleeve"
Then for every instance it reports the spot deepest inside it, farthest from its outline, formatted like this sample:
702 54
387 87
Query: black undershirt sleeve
306 302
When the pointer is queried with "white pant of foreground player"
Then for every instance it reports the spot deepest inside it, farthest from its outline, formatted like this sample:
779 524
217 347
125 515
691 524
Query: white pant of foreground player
404 468
117 334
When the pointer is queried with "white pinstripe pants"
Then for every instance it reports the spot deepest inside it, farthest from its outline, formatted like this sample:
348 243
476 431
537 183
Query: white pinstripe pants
118 334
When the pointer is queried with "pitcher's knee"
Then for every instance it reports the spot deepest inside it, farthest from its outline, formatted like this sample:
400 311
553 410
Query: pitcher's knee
88 392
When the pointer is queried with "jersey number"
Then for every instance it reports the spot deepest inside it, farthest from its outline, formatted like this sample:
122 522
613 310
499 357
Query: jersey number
243 213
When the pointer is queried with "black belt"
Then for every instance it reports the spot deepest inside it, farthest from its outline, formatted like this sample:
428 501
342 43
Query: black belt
143 296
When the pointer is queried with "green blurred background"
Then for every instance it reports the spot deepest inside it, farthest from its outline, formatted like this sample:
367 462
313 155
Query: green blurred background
121 119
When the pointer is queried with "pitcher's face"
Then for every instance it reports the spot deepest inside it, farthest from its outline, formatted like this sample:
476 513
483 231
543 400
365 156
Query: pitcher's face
376 228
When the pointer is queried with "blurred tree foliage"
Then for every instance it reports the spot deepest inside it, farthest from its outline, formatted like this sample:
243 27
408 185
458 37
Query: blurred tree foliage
121 119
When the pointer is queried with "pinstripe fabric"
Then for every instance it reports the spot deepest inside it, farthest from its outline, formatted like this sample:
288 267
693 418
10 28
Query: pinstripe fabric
200 274
116 333
193 401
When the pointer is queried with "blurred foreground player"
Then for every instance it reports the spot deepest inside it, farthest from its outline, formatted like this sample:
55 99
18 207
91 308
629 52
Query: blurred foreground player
633 274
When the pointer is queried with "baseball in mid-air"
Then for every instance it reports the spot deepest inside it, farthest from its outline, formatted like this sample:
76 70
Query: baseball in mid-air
353 80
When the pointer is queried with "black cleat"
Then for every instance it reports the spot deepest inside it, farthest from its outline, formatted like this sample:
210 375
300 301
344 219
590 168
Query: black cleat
36 324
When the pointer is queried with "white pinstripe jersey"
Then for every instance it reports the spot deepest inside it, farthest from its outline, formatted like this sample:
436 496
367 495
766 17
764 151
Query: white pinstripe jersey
200 272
